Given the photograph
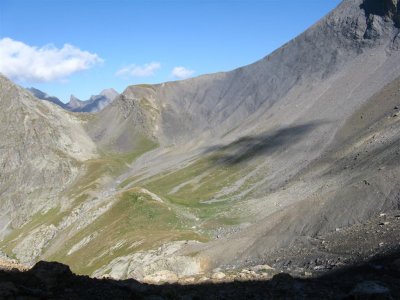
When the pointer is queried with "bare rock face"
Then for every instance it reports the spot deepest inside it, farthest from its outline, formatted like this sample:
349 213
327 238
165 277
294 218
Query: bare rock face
31 247
162 264
378 13
40 154
383 8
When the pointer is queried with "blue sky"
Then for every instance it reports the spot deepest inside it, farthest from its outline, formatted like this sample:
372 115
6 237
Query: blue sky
115 43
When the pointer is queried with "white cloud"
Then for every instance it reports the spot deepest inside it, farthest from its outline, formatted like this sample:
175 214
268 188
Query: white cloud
146 70
181 72
22 62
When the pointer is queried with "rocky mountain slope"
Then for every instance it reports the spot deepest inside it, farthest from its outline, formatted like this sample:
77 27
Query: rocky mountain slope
283 146
226 170
41 150
94 104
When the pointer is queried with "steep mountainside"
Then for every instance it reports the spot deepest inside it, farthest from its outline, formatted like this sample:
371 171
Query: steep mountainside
228 169
284 135
41 150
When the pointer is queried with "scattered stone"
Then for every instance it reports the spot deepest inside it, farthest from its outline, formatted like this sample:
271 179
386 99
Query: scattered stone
12 264
161 277
261 268
187 280
218 276
144 261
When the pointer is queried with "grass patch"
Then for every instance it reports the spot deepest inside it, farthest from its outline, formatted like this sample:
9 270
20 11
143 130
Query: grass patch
200 181
147 86
146 104
53 216
134 217
128 181
109 164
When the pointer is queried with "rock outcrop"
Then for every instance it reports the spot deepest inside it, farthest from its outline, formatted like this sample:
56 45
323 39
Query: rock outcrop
41 150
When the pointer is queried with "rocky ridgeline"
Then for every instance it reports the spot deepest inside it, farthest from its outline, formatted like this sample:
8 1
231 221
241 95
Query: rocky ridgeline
12 264
257 273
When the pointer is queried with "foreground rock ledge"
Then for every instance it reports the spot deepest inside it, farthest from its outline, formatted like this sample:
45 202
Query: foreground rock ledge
378 279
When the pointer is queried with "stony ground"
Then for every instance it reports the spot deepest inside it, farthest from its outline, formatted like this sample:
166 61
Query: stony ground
10 265
56 281
356 244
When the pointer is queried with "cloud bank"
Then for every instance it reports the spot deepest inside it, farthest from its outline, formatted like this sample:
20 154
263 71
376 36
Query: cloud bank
181 72
145 70
22 62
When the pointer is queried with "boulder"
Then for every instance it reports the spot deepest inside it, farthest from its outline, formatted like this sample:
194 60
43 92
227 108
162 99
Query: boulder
161 277
218 276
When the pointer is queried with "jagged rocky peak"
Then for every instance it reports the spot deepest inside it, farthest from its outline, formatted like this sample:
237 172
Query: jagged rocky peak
383 8
74 100
109 93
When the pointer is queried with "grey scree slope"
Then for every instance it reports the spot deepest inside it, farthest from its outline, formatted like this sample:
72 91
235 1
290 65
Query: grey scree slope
312 122
308 92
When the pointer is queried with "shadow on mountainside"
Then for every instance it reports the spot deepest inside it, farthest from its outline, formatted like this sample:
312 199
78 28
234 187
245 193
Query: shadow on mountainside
267 143
376 279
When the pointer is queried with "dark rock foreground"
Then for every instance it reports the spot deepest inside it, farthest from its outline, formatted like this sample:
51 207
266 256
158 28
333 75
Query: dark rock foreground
376 279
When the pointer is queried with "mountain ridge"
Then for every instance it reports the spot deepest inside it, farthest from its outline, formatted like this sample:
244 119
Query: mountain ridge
228 169
94 104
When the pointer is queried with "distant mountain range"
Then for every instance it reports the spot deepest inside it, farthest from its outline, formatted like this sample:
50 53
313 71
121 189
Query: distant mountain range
94 104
